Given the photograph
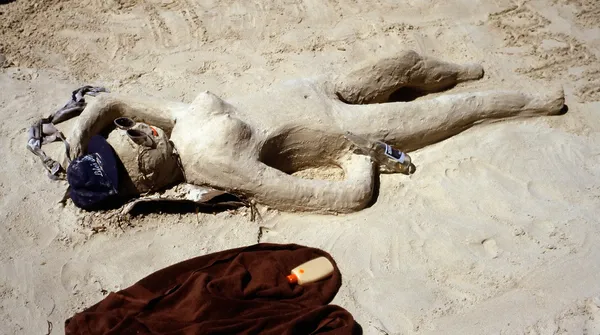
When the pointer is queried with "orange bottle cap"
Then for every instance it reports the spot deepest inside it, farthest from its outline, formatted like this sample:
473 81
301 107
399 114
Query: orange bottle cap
292 279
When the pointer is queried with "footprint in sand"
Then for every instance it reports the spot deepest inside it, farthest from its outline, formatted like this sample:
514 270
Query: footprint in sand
581 317
491 247
68 277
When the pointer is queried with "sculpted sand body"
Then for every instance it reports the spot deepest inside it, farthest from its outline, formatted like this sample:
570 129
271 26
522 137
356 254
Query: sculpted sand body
250 145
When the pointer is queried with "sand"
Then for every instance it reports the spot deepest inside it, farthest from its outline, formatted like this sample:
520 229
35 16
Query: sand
496 232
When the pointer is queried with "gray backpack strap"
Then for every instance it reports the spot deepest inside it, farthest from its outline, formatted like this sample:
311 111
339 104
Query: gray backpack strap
44 130
34 144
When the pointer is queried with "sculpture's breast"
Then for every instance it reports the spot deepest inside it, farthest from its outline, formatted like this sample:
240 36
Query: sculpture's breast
220 135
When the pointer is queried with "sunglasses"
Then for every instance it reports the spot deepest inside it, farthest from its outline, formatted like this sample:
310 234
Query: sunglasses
142 135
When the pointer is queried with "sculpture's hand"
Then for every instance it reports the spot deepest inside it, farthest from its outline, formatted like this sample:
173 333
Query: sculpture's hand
75 150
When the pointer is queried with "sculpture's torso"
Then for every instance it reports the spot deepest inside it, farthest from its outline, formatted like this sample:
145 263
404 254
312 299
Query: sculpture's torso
217 138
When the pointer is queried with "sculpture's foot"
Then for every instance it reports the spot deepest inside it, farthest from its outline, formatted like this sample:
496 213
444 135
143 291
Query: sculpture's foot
552 102
507 104
471 71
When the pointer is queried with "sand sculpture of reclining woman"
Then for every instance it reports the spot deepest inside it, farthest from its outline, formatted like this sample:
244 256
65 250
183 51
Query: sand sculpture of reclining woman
251 145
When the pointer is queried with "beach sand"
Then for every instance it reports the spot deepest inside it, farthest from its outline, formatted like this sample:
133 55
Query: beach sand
496 232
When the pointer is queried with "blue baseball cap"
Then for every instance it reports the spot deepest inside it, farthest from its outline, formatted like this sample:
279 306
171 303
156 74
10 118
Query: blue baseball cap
94 177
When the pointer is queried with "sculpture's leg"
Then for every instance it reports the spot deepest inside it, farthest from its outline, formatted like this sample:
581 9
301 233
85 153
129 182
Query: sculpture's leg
413 125
374 82
101 112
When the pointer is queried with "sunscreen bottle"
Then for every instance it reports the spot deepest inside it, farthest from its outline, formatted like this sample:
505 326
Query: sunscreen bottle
311 271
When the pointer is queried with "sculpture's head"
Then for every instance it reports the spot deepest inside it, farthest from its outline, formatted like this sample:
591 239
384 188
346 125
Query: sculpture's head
148 157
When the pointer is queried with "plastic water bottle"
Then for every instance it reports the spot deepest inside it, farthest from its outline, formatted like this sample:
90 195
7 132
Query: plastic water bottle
390 159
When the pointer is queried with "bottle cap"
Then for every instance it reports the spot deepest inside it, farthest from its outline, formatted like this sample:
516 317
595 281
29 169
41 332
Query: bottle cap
292 279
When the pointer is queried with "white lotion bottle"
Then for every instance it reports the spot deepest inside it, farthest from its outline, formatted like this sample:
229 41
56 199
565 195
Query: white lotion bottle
311 271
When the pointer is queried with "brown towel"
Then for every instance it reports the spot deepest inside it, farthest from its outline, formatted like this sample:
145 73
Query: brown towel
238 291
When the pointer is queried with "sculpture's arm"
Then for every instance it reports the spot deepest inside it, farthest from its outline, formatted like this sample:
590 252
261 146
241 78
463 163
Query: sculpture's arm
100 113
279 190
276 189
